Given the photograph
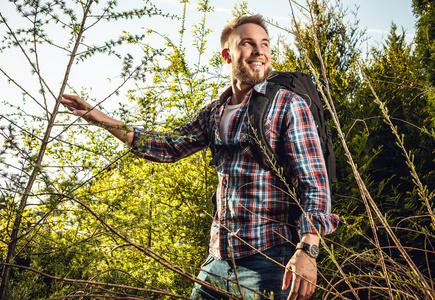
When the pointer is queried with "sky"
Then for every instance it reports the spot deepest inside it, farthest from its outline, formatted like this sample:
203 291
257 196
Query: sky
377 16
374 15
99 76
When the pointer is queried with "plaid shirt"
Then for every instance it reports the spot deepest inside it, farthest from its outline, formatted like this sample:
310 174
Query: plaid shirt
253 205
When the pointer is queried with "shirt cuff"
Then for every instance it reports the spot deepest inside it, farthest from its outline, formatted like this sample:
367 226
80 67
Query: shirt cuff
137 134
318 223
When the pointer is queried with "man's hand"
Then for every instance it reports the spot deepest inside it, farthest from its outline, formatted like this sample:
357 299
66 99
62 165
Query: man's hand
301 266
81 108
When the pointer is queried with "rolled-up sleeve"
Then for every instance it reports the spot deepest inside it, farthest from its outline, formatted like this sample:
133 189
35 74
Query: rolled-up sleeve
167 148
306 159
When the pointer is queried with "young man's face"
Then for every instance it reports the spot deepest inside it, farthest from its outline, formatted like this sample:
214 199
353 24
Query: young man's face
250 54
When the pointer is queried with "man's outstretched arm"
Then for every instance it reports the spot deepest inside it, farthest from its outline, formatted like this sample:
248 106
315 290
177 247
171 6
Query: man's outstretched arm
94 116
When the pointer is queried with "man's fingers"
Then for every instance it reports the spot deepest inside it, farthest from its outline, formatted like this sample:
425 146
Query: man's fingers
73 98
68 99
286 279
294 291
80 113
304 289
69 102
73 102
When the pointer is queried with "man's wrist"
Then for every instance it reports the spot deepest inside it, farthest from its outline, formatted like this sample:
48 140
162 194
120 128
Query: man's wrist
310 238
309 244
311 249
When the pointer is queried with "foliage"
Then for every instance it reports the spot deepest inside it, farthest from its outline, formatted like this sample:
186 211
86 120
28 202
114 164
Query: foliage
79 215
424 10
79 189
381 115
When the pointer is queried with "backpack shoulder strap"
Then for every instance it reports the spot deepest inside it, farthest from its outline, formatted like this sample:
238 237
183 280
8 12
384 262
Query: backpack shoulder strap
211 130
302 85
257 110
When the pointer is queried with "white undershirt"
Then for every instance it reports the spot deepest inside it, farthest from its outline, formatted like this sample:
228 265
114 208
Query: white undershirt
228 113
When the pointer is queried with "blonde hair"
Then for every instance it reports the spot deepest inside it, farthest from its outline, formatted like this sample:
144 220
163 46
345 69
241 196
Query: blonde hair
232 25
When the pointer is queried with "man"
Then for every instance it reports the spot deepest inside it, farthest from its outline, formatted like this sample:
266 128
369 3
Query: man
251 232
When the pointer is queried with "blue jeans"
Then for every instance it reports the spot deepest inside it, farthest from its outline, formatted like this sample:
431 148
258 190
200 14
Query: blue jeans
254 272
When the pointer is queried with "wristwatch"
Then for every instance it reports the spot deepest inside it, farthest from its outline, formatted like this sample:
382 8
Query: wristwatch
311 249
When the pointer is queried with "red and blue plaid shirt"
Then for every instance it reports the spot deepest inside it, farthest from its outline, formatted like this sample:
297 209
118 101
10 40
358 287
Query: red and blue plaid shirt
253 205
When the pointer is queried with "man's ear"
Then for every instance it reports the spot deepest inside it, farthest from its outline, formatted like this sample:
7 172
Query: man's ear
226 55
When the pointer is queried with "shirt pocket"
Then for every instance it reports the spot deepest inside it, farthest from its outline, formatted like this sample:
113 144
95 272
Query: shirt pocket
246 150
256 138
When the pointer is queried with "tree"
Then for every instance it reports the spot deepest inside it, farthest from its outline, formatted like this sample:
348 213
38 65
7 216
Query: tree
424 10
376 176
77 237
425 47
29 133
394 75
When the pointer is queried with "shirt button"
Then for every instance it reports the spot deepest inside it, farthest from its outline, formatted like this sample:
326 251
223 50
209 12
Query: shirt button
224 182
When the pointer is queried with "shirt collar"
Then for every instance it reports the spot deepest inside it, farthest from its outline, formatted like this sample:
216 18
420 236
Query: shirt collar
259 88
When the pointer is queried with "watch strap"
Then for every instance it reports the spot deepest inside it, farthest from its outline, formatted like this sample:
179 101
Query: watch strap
311 249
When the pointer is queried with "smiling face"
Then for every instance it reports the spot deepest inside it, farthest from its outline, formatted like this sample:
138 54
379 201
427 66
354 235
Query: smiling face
249 54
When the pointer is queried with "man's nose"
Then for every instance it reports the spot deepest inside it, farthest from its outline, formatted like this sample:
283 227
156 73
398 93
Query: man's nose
257 50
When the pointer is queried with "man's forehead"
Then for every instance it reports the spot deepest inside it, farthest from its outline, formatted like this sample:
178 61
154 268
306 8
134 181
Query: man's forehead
249 31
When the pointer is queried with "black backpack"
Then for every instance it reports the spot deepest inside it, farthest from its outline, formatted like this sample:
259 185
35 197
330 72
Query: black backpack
302 85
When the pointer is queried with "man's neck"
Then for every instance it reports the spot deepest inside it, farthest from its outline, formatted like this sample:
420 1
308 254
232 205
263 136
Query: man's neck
239 92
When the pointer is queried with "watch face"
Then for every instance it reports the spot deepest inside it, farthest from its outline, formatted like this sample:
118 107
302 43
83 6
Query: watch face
314 251
311 249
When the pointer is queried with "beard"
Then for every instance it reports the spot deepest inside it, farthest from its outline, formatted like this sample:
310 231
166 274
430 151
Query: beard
241 74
